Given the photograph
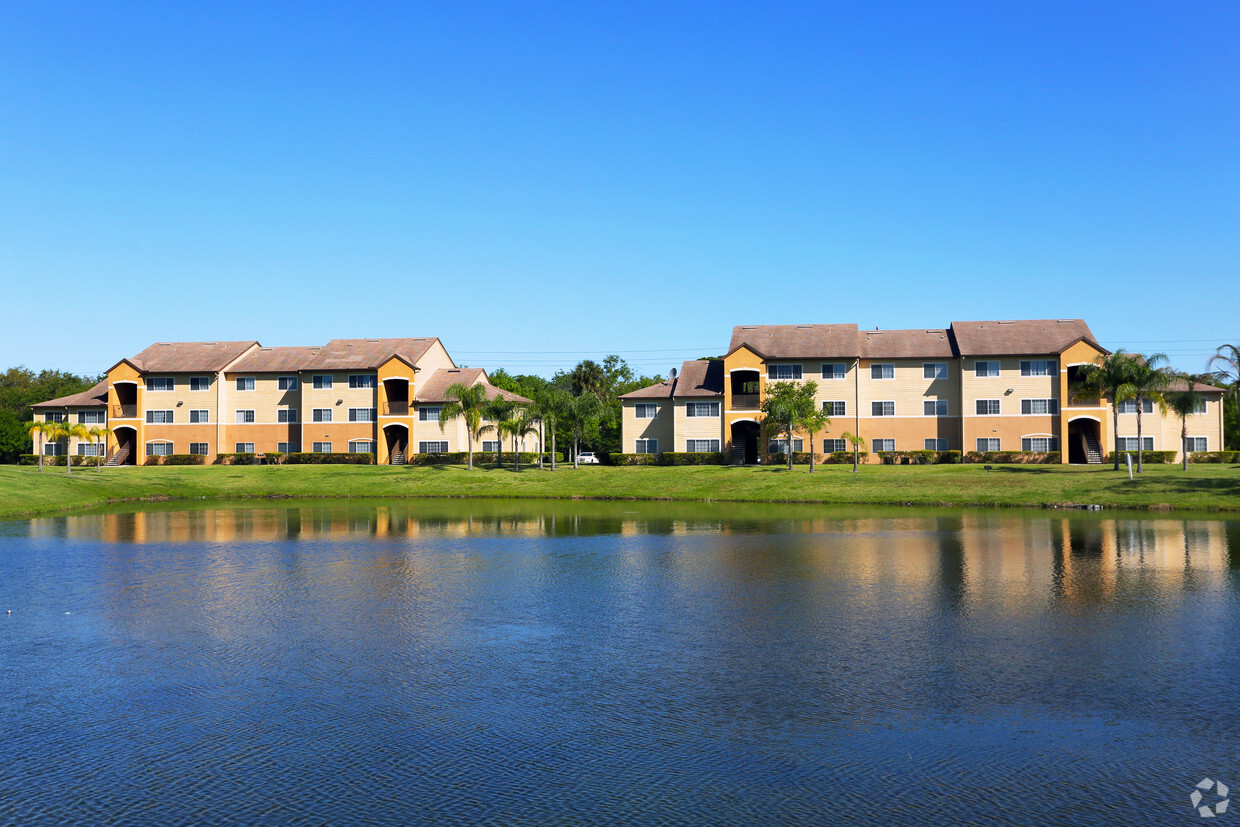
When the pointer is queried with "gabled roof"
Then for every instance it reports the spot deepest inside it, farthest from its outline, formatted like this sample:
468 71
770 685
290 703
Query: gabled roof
1020 337
797 341
188 357
696 378
346 354
96 397
433 387
906 344
272 359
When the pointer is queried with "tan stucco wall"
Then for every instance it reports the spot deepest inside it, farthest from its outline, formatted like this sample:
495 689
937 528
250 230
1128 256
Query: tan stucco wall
662 427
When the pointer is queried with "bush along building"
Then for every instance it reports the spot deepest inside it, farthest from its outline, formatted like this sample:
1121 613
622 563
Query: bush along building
217 400
982 389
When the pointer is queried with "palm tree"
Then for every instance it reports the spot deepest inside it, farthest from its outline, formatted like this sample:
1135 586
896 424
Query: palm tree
1228 356
813 422
468 403
499 410
98 434
856 442
588 377
580 411
551 406
1184 402
43 429
1111 376
67 430
1149 380
519 427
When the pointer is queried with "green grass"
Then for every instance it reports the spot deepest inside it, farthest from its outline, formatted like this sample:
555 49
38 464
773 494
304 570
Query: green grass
25 491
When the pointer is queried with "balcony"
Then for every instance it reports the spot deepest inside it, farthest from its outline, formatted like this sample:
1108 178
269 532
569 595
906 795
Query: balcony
395 408
746 401
125 411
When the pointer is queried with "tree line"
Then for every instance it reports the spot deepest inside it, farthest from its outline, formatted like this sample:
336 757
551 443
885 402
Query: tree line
19 389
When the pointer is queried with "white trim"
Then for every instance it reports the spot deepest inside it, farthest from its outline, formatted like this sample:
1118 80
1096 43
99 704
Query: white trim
405 378
745 419
1090 418
125 382
752 370
395 425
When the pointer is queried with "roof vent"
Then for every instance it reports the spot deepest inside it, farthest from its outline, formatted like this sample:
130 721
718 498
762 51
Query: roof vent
749 327
1066 321
163 343
372 340
266 348
804 326
1007 322
210 343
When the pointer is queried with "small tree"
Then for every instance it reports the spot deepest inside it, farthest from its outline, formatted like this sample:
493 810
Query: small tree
813 422
1185 402
857 444
786 405
550 406
1228 358
1111 376
499 411
519 427
99 436
579 412
467 403
1149 380
41 429
67 431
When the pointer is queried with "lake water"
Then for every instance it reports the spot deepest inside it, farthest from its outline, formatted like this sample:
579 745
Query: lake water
575 663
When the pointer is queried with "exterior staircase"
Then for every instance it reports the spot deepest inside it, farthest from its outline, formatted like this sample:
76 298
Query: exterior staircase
1093 452
738 454
398 457
117 457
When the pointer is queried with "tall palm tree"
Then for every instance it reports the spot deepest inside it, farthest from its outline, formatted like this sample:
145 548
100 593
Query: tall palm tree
856 442
1149 380
41 428
466 402
99 434
1111 376
499 411
519 427
814 421
1228 360
67 430
579 412
589 377
1184 402
551 405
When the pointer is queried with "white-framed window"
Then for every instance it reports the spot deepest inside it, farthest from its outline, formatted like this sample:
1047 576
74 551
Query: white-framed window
199 416
1196 443
489 445
322 447
199 448
939 444
834 370
1039 367
159 449
361 414
89 449
885 370
981 368
934 407
1129 443
783 373
1199 406
830 446
53 449
160 383
780 446
1130 406
883 444
988 407
433 447
321 415
200 383
429 414
363 380
322 382
645 410
286 383
287 447
934 370
56 416
702 446
1039 406
1039 444
700 409
158 417
361 446
92 417
244 417
286 414
244 447
883 408
245 383
647 446
835 408
988 443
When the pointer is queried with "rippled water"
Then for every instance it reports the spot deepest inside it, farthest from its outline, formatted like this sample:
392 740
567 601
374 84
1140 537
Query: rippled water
518 663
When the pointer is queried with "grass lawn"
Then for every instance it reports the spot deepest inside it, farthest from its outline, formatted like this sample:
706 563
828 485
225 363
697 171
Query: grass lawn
25 491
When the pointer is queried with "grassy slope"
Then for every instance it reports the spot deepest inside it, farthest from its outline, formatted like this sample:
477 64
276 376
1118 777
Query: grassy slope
25 491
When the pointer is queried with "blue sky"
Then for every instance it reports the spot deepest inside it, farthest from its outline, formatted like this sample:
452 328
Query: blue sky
538 183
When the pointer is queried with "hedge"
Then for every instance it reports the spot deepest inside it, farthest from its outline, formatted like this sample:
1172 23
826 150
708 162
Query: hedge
78 462
329 459
1152 457
28 459
670 458
183 459
480 458
1014 457
1216 457
920 457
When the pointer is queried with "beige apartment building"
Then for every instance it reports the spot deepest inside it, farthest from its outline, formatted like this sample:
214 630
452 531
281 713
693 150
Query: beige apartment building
974 386
375 396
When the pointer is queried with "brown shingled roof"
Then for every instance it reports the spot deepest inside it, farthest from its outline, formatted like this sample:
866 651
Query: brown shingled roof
696 378
189 357
96 397
271 359
345 354
1019 337
793 341
433 387
906 344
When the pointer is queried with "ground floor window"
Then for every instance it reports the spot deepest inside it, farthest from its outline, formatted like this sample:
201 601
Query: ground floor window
884 444
1129 443
53 449
780 446
647 446
287 447
158 449
245 447
936 444
361 446
199 448
988 443
1195 443
701 446
490 445
1039 444
830 446
433 447
322 447
93 449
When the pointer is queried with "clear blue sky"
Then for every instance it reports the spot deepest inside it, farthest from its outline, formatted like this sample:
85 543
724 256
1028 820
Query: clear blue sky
538 183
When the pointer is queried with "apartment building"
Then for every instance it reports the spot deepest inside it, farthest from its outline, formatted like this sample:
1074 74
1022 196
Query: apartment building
376 396
974 386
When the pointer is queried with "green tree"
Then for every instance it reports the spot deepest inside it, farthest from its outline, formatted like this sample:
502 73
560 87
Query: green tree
467 403
857 444
589 377
552 406
813 422
579 412
1149 380
99 436
1227 362
787 404
1111 376
1184 401
499 411
520 426
20 388
41 428
67 430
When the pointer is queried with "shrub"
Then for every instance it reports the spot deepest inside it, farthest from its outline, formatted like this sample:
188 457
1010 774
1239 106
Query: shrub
1152 457
480 458
28 459
235 459
184 459
1013 457
685 458
1211 457
633 459
329 459
78 462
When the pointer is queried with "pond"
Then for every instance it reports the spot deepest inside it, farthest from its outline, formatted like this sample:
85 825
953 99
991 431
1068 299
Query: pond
461 662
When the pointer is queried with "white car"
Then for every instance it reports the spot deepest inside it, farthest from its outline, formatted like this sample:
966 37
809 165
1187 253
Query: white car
587 458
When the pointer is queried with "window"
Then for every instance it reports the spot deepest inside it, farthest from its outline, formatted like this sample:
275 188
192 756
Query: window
988 407
702 409
934 370
934 407
988 443
286 414
56 417
1038 367
430 414
835 408
883 444
1199 407
834 370
199 448
780 446
200 383
91 417
985 368
783 372
936 444
702 446
363 380
322 415
1129 443
1039 406
286 383
245 447
244 417
287 447
361 414
647 446
159 449
646 410
322 383
1039 444
887 371
830 446
322 447
199 416
53 449
1130 406
1195 443
489 445
245 383
882 409
160 383
89 449
361 446
158 417
433 447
